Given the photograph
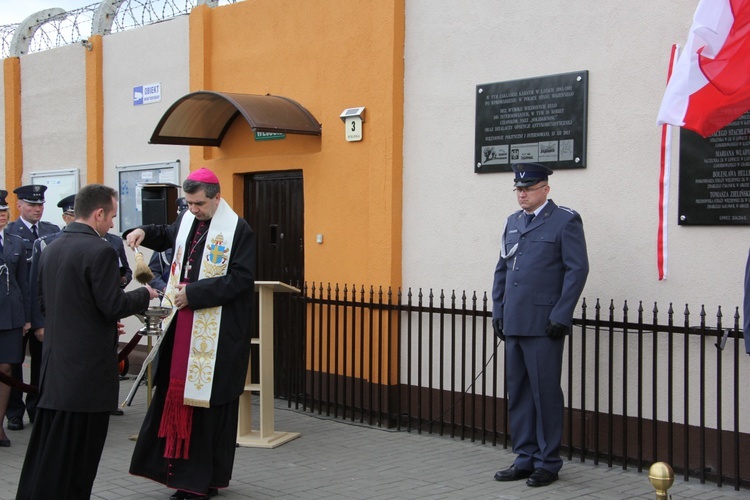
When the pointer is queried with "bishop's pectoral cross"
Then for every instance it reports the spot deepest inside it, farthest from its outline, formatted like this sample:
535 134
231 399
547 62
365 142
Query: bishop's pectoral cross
188 267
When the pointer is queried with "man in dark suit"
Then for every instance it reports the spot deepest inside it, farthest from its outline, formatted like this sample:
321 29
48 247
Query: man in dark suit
82 301
29 227
67 205
126 274
14 306
539 278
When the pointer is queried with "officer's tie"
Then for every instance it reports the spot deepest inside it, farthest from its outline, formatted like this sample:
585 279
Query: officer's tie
33 231
529 218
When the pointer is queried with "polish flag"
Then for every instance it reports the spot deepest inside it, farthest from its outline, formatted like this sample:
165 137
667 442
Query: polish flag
710 85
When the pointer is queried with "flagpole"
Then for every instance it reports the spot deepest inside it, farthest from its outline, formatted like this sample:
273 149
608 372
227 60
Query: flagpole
664 181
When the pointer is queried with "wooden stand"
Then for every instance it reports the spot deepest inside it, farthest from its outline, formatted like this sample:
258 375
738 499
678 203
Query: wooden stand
266 436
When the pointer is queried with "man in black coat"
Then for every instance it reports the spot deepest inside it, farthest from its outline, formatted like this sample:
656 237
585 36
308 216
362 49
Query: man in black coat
82 301
187 441
29 227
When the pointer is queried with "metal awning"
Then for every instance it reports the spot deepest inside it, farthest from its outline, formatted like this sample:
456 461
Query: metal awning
203 118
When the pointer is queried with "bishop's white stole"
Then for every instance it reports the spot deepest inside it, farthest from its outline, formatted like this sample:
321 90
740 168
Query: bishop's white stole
204 337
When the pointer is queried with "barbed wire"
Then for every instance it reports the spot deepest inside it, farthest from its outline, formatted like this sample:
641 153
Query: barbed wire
75 25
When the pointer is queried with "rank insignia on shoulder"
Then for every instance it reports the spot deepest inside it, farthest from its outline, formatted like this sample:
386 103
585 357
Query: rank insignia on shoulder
569 210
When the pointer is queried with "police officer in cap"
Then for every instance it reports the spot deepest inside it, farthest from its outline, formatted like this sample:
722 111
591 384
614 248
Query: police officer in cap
67 205
29 227
68 216
538 280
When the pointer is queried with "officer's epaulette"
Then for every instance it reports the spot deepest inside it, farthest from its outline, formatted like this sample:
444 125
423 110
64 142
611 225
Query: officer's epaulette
569 210
45 223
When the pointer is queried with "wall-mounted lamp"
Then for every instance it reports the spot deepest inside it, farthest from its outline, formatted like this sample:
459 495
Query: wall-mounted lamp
87 44
353 119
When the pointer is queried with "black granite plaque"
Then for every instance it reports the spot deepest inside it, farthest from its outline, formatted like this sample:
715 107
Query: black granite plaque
541 120
715 176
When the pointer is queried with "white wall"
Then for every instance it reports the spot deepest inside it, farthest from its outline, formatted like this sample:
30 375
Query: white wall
158 53
53 111
453 217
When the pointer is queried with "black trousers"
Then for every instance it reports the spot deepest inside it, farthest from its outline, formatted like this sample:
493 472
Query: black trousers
63 455
16 405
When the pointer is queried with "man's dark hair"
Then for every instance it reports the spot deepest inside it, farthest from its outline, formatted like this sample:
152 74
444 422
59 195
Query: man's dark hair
93 197
191 187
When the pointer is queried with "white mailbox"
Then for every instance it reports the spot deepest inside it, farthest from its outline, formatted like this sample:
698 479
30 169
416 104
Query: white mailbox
353 119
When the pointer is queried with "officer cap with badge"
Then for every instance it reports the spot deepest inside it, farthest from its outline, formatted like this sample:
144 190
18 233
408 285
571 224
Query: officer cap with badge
32 193
528 174
67 204
182 205
3 203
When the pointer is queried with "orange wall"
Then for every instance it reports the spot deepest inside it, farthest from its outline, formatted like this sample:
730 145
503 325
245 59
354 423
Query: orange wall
94 112
327 55
13 149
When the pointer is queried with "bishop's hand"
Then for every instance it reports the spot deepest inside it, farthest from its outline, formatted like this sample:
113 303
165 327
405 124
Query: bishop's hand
135 237
180 297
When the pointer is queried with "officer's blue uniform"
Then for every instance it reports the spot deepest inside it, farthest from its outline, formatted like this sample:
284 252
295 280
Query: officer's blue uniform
67 205
33 193
14 307
539 278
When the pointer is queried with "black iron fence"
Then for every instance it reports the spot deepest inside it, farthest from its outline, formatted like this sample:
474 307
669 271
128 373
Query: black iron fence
641 386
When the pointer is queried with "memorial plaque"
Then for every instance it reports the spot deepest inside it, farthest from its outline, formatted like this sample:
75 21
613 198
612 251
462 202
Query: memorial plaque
715 176
541 120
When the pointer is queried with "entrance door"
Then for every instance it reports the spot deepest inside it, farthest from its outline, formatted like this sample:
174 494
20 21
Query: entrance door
275 210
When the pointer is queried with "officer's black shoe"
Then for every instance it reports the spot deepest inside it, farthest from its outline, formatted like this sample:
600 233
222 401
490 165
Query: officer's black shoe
15 424
541 477
512 473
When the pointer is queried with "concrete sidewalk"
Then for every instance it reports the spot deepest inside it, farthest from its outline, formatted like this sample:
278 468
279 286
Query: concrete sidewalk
343 460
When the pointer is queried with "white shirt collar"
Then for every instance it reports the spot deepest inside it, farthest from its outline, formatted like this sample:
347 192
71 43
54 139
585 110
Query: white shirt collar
536 212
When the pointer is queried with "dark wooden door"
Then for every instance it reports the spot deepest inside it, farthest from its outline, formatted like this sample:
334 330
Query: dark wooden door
275 210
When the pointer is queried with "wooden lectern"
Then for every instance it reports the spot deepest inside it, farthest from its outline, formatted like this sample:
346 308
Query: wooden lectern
266 436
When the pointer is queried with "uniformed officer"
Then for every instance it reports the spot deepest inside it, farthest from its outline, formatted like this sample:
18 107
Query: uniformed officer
67 205
538 280
160 261
68 215
28 227
14 306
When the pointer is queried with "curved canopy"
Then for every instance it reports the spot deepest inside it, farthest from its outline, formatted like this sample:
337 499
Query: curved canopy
203 118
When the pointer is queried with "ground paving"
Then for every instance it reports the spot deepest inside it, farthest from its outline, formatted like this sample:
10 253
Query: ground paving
336 459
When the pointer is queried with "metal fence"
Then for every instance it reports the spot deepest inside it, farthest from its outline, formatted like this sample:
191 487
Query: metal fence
641 386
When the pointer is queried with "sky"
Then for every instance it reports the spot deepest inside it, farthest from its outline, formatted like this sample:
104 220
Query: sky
15 11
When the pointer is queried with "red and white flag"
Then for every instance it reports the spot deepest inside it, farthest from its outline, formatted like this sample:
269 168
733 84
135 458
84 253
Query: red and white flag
710 86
